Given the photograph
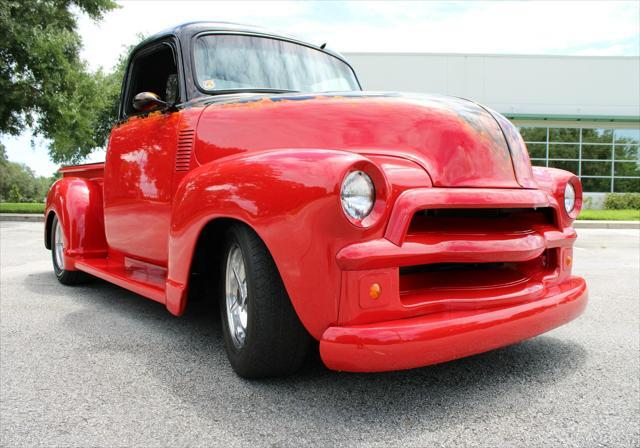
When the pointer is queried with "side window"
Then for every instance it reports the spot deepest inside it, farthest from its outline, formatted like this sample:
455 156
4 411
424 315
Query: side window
154 71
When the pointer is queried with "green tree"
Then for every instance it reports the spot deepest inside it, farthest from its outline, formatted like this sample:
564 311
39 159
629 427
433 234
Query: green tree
19 183
44 82
14 194
106 113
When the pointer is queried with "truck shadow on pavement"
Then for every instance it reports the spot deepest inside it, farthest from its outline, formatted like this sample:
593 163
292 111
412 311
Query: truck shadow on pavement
187 355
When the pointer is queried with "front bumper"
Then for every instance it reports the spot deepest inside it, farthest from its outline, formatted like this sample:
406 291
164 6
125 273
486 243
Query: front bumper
439 337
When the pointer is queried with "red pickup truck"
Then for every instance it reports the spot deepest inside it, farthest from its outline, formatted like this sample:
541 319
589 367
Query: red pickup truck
398 230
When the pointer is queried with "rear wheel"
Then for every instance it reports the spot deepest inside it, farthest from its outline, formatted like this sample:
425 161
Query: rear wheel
262 333
66 277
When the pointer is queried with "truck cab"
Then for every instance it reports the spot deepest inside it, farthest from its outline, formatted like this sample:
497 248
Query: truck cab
399 230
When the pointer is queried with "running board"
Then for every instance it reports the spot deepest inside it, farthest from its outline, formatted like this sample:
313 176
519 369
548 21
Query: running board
142 278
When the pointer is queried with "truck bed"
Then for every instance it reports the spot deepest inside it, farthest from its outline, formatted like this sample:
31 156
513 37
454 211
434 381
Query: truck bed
87 170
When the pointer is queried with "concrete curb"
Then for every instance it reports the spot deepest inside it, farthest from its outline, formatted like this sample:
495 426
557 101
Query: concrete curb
36 217
606 224
22 217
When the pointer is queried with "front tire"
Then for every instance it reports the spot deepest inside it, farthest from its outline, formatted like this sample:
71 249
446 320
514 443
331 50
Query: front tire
64 276
262 333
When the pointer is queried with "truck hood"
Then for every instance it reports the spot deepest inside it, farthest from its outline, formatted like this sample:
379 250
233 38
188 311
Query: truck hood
457 142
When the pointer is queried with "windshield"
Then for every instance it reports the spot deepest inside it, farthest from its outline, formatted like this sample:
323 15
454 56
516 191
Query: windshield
238 62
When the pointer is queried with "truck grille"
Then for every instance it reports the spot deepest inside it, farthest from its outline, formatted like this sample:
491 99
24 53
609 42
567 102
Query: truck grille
474 221
453 286
448 286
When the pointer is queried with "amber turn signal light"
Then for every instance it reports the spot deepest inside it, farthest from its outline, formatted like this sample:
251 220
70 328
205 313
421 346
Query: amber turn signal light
375 291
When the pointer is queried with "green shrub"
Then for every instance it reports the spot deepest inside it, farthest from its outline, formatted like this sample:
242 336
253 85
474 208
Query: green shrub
619 201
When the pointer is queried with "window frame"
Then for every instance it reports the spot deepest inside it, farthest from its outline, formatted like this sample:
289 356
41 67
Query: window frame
126 95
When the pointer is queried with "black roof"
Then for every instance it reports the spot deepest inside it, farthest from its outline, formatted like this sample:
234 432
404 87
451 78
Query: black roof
185 31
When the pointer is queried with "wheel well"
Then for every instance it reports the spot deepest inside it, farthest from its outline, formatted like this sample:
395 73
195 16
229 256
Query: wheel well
207 257
47 230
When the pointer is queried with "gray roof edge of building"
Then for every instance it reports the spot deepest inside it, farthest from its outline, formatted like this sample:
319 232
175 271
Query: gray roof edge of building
568 117
496 55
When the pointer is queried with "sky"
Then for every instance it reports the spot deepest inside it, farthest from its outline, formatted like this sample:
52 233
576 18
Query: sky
585 28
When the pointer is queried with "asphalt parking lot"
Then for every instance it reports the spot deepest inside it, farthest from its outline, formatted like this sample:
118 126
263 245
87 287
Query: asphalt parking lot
98 366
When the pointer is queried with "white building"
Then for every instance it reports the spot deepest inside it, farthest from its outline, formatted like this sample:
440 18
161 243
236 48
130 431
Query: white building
577 113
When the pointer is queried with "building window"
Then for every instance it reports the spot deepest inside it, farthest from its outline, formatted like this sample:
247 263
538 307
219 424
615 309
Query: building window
606 160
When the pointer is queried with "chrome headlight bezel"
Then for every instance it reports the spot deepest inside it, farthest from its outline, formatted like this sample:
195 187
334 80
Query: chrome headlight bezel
357 195
569 198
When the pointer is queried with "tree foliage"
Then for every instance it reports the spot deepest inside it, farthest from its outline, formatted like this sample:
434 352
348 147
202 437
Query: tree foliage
18 183
44 82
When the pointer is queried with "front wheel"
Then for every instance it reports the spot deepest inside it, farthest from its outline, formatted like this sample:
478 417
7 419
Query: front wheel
262 333
65 276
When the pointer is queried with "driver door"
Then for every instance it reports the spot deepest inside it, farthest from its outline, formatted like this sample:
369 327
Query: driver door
140 160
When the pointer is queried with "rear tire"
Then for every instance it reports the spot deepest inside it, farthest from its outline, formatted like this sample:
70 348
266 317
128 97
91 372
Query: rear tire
262 333
64 276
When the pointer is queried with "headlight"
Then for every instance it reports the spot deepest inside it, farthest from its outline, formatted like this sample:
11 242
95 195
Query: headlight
569 197
357 195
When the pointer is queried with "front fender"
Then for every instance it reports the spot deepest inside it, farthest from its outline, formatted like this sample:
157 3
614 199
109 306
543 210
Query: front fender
553 181
291 199
77 202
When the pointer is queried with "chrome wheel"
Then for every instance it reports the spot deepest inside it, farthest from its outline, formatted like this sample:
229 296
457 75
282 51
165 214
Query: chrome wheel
262 333
58 246
236 296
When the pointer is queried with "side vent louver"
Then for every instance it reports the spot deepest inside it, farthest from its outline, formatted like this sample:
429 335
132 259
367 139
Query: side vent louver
183 154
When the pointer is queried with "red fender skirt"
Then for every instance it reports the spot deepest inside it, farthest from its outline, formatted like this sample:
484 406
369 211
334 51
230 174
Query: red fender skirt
441 337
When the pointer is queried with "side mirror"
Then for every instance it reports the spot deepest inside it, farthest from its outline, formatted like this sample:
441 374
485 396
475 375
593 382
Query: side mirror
148 101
